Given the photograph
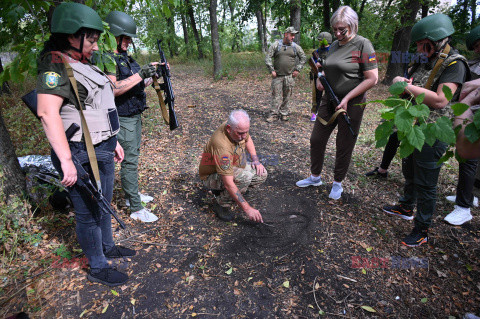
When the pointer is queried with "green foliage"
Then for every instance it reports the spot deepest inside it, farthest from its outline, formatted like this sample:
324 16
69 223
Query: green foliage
410 118
15 226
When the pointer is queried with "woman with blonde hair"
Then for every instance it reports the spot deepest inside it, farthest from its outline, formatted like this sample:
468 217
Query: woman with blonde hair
351 70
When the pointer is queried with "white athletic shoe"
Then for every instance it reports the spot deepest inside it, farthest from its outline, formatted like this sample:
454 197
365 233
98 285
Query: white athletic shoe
458 216
453 198
310 181
336 191
144 198
144 215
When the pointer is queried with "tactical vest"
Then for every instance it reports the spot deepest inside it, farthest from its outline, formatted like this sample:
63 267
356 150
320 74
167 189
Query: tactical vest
422 72
99 105
134 101
285 58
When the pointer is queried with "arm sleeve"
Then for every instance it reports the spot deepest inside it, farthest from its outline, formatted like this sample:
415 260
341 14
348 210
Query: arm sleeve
224 161
455 72
269 56
52 76
369 58
301 58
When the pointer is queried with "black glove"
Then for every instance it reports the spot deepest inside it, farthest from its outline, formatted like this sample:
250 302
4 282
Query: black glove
147 71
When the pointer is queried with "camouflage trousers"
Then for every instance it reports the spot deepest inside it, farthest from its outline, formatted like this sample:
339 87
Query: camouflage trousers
242 177
282 89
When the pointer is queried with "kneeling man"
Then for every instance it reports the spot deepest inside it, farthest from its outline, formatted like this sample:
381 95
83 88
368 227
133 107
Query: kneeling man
224 167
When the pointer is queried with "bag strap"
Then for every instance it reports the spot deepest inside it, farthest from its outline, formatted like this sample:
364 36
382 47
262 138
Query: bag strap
92 157
441 57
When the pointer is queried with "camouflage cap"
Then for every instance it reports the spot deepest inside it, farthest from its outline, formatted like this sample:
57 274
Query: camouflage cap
325 35
291 30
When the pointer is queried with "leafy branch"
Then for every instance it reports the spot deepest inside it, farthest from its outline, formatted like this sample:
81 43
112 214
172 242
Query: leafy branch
410 118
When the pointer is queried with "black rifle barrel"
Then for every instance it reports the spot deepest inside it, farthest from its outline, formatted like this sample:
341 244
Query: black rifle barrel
333 98
167 88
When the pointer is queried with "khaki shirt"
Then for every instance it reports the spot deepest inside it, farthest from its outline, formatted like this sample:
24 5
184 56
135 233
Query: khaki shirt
345 64
285 60
222 154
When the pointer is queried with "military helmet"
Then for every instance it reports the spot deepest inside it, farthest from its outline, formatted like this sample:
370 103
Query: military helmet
325 35
69 17
434 27
121 24
473 37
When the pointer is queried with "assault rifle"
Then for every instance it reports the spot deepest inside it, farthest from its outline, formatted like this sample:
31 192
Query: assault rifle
83 178
166 86
331 95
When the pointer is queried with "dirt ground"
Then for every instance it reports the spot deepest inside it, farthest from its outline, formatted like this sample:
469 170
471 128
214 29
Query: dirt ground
315 258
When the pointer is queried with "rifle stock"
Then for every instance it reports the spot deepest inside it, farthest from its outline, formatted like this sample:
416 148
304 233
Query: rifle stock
326 86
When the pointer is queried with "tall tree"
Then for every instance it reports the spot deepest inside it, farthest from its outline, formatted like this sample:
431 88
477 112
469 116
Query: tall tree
193 24
260 27
326 14
401 38
295 16
11 175
185 33
217 56
384 9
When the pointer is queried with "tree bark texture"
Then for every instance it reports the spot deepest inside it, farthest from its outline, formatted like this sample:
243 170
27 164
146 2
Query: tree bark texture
326 14
261 38
401 39
217 57
194 28
185 34
295 11
473 8
13 180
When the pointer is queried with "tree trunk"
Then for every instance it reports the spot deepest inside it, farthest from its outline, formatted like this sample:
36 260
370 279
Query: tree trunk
473 8
259 15
185 34
171 34
335 5
360 12
217 57
424 10
383 19
326 14
295 10
235 46
12 178
5 87
194 28
401 39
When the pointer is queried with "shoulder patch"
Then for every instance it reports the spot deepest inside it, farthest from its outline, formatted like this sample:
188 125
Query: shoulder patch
51 79
225 163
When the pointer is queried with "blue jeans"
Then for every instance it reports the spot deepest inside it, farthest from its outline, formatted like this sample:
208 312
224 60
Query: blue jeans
94 227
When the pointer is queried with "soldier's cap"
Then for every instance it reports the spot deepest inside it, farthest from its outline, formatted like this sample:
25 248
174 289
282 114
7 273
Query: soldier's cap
325 35
291 30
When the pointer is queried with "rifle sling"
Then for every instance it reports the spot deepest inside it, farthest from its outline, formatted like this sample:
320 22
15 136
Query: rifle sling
92 157
163 107
441 58
333 118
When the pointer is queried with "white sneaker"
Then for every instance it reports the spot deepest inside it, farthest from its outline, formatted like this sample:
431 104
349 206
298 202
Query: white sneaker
336 191
453 198
310 181
458 216
144 198
144 215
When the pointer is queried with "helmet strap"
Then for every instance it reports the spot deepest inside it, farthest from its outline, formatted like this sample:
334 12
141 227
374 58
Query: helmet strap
119 44
80 50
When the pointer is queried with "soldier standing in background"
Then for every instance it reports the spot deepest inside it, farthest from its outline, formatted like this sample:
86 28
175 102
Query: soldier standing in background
289 59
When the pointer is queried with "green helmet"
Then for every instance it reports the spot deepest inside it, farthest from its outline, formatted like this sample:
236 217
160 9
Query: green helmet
435 27
121 24
473 37
69 17
325 35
